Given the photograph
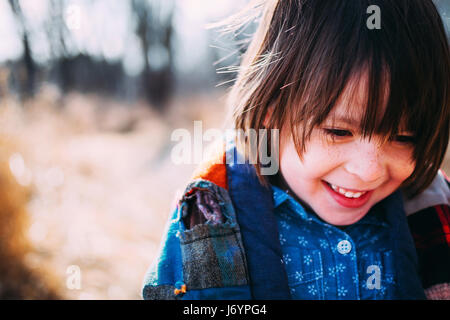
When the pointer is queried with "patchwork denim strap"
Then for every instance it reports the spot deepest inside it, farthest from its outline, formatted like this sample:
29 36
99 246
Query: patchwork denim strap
253 204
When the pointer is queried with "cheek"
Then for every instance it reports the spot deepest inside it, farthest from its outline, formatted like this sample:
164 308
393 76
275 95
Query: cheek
316 161
401 173
402 165
290 163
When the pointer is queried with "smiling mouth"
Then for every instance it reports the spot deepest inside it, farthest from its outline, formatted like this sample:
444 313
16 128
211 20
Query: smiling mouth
349 193
349 198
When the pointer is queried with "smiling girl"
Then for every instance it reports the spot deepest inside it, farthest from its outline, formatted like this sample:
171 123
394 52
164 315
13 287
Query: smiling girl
359 208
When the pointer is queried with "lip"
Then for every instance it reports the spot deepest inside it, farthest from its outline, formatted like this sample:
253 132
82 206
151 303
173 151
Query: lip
348 202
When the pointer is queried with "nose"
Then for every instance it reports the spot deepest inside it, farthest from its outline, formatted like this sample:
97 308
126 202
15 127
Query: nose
366 162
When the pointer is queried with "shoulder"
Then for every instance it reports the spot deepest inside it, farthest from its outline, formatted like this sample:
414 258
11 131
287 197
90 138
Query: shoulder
205 198
429 211
437 194
429 222
203 249
214 168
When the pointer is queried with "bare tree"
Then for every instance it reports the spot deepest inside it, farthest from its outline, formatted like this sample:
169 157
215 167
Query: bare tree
155 30
27 74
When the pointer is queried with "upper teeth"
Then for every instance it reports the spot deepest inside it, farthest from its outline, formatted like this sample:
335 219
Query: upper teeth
347 193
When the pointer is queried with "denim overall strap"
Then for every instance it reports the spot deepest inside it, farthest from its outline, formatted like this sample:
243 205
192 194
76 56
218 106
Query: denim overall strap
405 255
253 204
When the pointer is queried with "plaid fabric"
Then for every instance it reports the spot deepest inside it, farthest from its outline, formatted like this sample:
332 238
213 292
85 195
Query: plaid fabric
213 256
161 292
211 247
439 292
430 229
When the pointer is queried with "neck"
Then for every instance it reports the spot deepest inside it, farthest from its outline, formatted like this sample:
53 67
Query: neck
279 181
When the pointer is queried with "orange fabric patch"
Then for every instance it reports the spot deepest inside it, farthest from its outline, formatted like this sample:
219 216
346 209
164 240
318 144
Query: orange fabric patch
214 170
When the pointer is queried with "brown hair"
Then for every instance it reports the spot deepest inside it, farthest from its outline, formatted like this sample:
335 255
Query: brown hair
305 52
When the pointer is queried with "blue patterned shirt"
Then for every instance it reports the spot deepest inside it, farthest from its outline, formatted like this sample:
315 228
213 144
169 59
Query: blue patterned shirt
324 262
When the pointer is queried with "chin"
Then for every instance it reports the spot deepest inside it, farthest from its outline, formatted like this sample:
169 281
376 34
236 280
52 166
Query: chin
344 219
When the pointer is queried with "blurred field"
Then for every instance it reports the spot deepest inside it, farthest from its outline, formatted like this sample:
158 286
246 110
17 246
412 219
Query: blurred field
101 182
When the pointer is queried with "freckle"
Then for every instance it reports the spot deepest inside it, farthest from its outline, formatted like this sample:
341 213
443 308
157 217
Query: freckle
334 153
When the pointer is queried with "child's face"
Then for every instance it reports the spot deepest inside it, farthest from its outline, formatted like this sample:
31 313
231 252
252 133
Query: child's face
350 162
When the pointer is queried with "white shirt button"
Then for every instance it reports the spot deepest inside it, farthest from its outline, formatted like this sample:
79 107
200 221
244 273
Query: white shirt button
344 247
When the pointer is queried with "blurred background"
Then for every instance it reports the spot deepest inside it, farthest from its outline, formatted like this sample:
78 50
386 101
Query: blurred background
90 92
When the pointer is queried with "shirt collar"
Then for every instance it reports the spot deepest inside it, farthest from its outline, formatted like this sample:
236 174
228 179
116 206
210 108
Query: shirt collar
281 196
374 217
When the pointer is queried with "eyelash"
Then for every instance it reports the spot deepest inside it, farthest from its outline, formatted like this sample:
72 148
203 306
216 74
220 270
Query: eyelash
406 139
340 133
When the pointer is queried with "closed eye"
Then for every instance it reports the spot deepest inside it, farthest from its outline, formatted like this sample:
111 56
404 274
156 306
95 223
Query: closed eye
338 132
405 139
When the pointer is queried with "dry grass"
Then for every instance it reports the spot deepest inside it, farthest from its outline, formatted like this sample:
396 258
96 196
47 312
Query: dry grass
101 183
18 279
